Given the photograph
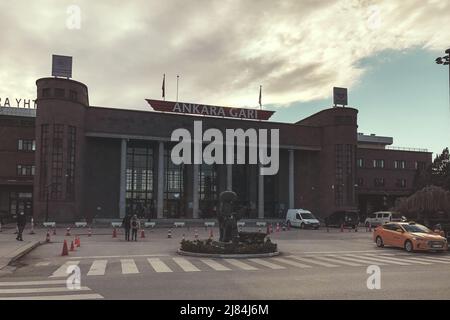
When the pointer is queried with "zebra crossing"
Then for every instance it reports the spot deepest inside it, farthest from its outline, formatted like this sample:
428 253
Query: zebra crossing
167 264
44 290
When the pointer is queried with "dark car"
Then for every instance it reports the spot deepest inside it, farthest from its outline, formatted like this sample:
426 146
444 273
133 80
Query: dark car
443 228
346 218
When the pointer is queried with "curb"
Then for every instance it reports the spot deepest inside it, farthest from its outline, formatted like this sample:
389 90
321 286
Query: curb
19 253
228 256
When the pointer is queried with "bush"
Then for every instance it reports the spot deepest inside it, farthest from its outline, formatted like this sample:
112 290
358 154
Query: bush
215 247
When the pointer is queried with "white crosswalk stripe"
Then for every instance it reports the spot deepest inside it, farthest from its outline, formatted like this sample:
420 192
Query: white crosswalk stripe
128 266
439 260
158 265
358 260
61 272
339 261
42 264
39 290
292 263
409 261
215 265
241 265
387 260
185 265
98 268
310 260
267 264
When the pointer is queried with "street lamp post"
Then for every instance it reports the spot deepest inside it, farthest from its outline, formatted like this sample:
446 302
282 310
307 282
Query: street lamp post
445 61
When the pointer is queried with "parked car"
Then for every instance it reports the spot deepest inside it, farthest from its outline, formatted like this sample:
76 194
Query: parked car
381 217
301 218
346 218
410 236
443 228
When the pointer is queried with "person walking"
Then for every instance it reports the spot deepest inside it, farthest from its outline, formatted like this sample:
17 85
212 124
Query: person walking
126 223
21 222
134 227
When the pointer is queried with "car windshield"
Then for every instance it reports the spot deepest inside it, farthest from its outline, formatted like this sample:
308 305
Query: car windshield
416 228
307 216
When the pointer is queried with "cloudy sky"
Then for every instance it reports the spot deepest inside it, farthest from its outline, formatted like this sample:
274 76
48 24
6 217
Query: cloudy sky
383 51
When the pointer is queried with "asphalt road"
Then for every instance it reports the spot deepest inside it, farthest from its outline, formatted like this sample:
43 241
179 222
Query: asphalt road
313 265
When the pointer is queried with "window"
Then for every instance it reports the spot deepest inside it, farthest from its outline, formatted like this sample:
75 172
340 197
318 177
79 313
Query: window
71 142
73 95
26 145
46 92
399 164
360 163
60 93
25 170
379 182
344 186
401 183
44 161
378 163
420 165
57 162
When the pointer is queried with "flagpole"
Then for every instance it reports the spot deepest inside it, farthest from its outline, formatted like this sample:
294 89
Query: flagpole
164 87
260 97
178 77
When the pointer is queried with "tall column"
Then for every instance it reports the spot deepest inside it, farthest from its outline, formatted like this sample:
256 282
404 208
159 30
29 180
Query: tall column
291 179
229 177
123 177
160 195
260 194
195 184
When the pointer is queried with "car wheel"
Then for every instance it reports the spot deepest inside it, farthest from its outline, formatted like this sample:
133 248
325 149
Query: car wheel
379 242
302 226
409 246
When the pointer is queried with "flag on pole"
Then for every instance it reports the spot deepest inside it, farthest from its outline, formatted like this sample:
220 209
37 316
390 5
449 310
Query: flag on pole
164 87
260 96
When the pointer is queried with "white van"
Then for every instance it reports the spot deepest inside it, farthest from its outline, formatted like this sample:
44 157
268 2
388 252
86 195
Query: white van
301 218
381 217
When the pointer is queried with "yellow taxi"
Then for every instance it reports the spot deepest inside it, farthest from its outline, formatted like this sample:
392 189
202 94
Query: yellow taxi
410 236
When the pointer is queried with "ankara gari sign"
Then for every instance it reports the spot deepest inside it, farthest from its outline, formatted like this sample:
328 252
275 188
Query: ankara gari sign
207 110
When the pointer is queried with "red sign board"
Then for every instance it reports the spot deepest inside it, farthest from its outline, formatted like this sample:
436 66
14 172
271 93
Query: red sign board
207 110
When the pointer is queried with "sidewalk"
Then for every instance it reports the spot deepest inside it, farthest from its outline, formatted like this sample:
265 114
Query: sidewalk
11 249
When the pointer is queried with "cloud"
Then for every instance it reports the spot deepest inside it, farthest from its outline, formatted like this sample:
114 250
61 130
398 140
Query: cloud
223 50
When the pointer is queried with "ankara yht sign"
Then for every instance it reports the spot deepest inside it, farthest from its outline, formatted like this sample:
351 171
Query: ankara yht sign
207 110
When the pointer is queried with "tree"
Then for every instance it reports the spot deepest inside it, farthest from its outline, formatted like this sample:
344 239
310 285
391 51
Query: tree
425 204
437 173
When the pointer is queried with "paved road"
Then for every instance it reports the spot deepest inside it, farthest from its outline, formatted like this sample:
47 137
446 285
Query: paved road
313 265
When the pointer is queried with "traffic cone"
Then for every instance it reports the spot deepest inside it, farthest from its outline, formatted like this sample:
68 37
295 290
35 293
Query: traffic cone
169 234
47 237
89 232
72 247
342 227
68 232
78 241
114 235
142 234
65 250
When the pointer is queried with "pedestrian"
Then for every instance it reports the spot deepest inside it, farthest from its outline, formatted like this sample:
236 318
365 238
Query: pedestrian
21 222
134 227
126 223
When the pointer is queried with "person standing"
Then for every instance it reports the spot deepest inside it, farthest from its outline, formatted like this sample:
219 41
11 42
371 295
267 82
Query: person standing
134 227
21 222
126 223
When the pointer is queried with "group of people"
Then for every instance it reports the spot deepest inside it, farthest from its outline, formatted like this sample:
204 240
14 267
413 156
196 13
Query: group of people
132 223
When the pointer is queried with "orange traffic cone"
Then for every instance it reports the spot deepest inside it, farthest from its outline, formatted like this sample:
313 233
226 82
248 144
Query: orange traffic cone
68 232
114 235
72 247
65 250
47 237
78 242
142 233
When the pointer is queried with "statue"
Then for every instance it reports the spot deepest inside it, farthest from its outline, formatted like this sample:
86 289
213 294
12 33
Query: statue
228 219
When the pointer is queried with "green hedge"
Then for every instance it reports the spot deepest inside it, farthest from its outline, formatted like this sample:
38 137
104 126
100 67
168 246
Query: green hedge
215 247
